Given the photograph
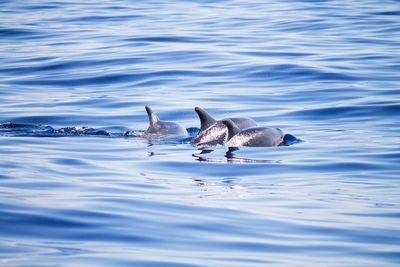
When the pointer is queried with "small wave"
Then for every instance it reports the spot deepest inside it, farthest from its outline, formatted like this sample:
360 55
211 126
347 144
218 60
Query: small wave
101 18
18 129
387 13
21 33
275 54
112 78
168 39
14 32
294 72
349 112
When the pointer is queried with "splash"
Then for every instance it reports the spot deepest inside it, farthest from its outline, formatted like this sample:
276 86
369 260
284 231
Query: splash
18 129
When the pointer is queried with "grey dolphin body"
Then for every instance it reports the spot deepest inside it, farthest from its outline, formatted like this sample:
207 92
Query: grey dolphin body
255 136
213 130
159 128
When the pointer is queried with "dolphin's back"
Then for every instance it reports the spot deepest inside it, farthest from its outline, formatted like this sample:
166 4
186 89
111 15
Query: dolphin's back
163 128
257 137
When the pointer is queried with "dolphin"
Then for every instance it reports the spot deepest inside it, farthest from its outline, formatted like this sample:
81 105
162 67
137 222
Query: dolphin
213 130
159 128
254 136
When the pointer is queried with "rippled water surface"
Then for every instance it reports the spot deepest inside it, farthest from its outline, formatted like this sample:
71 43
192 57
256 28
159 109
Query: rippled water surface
326 72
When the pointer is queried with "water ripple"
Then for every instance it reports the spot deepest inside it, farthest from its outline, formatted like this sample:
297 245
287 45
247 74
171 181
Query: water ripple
323 71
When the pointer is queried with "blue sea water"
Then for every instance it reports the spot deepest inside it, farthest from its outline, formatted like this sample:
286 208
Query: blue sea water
327 72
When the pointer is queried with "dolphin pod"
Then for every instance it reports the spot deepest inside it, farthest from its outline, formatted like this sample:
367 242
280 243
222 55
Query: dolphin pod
231 132
213 130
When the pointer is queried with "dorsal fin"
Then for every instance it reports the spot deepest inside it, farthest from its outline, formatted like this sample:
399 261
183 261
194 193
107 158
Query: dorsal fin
153 118
205 119
232 128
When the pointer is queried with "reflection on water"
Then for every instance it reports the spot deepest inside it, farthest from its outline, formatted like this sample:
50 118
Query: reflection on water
229 157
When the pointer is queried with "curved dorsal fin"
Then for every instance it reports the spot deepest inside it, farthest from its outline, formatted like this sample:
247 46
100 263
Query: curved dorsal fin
232 128
205 119
153 118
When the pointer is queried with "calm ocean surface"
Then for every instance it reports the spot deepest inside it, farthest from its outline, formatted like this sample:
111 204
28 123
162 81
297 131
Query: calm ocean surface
327 72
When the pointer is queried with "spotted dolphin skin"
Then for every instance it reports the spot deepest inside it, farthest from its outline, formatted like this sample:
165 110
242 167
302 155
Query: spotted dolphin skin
162 128
254 136
213 130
